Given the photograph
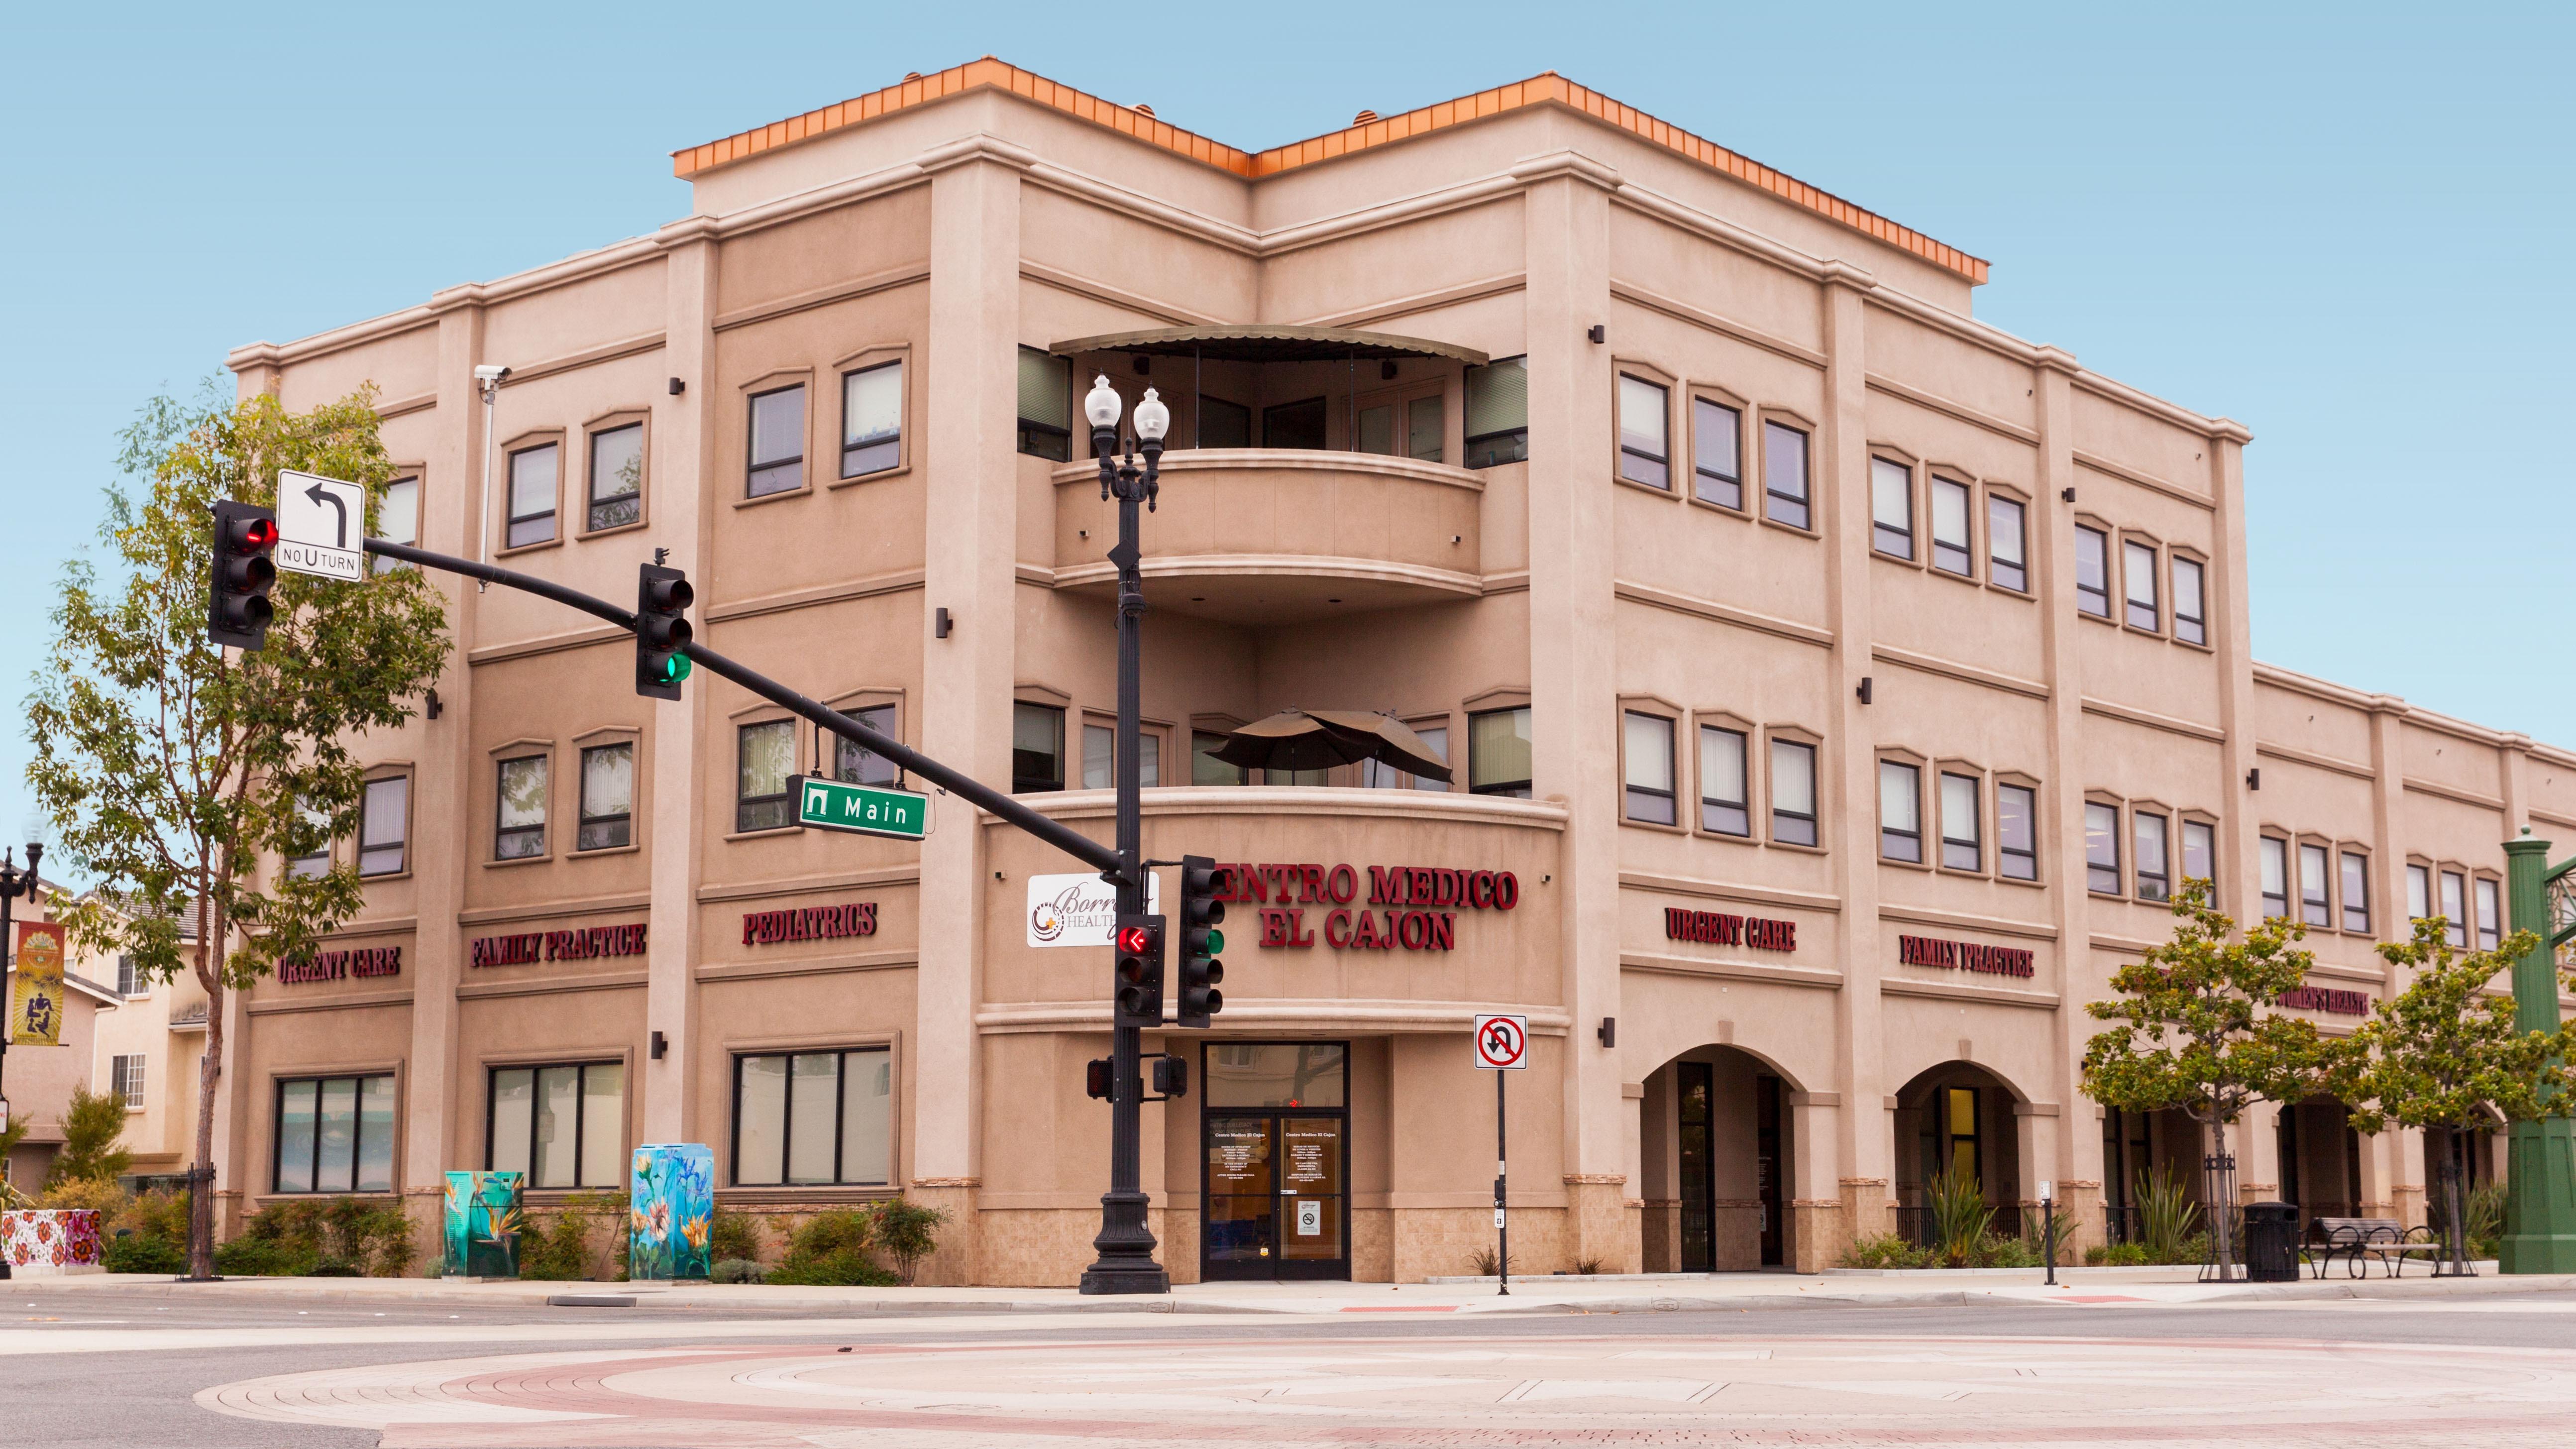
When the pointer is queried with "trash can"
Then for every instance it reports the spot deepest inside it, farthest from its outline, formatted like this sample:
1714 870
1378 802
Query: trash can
2271 1242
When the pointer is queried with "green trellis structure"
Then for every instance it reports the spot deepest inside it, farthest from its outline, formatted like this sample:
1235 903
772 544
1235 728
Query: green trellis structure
2540 1203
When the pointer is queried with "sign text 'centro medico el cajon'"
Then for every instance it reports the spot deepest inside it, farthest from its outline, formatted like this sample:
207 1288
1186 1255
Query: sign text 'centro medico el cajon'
1414 907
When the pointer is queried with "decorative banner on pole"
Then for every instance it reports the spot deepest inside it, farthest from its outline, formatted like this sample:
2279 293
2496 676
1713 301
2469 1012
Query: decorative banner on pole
36 996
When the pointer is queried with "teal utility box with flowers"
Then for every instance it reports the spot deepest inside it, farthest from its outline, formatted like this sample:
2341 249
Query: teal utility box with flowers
670 1202
483 1225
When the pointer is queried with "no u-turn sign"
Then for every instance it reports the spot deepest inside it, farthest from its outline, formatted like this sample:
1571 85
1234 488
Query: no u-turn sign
1502 1043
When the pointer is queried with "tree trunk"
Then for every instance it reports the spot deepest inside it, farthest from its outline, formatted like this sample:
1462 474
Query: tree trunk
2216 1190
2455 1226
201 1181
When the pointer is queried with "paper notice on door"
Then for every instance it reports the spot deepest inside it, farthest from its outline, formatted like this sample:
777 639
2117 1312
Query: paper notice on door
1310 1218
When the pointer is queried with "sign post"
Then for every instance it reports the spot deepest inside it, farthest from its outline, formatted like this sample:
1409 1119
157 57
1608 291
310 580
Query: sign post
321 526
1502 1046
2048 1229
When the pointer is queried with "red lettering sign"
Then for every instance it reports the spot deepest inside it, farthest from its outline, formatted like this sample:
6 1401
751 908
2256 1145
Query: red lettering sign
341 965
582 943
1716 928
813 923
2327 999
1964 956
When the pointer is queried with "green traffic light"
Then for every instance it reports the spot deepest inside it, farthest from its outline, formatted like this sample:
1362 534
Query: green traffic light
1215 941
675 668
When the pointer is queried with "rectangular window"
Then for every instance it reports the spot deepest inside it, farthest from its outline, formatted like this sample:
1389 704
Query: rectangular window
1299 424
398 519
777 442
1645 415
814 1118
1900 811
532 494
607 797
1379 775
2102 849
129 982
1100 763
2017 831
2490 915
316 861
1498 412
2138 575
2200 855
617 477
1784 474
2356 892
2313 886
1793 792
2005 542
384 824
872 419
2093 571
1222 424
857 763
125 1079
2155 859
2191 622
1891 508
1498 752
1037 747
765 761
2419 892
2276 877
521 829
335 1134
1950 551
1046 404
2455 908
1205 767
1717 462
1650 769
564 1126
1962 843
1724 804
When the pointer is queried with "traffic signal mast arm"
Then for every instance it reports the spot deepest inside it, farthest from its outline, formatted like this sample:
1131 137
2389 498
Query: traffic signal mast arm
1081 847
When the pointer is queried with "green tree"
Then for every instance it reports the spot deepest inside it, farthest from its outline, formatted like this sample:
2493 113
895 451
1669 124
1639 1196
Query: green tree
2445 1053
173 768
91 1125
2198 1031
13 1130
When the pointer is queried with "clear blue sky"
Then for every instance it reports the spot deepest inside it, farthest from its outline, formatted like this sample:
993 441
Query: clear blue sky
2345 226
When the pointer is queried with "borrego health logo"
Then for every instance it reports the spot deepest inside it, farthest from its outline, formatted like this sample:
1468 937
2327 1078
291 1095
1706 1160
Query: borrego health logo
1078 909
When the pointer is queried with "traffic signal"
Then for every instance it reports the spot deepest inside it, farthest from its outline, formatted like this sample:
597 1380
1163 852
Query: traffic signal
1171 1076
237 606
662 599
1140 970
1201 942
1095 1077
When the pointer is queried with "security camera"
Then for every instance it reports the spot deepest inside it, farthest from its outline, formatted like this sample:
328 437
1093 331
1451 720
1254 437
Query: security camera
488 373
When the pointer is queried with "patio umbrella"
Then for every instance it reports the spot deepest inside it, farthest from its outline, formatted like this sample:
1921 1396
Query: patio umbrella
1318 739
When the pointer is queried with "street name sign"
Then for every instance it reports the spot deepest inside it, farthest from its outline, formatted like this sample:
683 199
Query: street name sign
861 809
1502 1043
321 526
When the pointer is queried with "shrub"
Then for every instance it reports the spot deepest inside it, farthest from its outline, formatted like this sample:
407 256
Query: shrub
2116 1255
1485 1262
734 1236
832 1249
2167 1216
585 1241
104 1194
907 1232
161 1213
249 1257
144 1255
2485 1213
340 1237
91 1125
734 1270
1886 1250
1961 1221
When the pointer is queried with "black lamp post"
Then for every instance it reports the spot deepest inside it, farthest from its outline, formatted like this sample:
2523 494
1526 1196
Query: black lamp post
13 884
1125 1243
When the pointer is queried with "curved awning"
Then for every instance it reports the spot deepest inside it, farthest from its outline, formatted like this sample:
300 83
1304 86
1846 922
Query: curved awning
1268 343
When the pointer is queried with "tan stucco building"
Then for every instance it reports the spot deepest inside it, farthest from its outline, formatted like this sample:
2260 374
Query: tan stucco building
1838 680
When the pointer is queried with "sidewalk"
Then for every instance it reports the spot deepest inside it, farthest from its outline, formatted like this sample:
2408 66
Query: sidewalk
1644 1293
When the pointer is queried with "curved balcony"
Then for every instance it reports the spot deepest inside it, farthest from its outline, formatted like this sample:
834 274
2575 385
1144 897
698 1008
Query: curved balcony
1269 535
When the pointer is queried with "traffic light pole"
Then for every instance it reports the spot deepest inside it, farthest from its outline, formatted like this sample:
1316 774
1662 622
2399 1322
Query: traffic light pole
2540 1161
1125 1242
1081 847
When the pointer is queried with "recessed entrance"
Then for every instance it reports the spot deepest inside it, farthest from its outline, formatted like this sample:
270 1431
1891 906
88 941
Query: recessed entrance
1716 1157
1275 1157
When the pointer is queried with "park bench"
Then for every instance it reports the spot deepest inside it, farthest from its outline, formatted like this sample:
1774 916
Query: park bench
2358 1240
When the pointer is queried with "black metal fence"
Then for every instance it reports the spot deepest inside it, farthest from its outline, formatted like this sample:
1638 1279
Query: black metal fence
1914 1223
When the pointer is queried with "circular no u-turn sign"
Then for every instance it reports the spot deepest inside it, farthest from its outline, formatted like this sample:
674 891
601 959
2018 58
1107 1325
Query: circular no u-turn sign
1502 1043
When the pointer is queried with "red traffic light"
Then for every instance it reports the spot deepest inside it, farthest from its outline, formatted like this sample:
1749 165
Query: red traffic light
259 534
1135 940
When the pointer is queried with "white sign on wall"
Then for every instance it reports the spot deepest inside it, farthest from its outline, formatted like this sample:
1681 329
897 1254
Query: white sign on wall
321 526
1310 1217
1079 909
1502 1042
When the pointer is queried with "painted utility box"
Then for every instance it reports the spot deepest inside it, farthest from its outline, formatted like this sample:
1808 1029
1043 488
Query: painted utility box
672 1197
483 1223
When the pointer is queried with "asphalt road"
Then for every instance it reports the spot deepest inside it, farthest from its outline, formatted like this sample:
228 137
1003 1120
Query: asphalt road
129 1365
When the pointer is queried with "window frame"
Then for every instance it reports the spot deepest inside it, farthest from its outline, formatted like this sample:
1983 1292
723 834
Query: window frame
2316 912
1891 835
129 1076
1887 540
592 432
850 369
2487 927
2267 848
1658 713
317 862
1774 739
784 798
527 445
2347 856
1943 773
501 764
1935 480
753 465
2118 866
857 707
2419 873
582 819
1031 784
416 476
2102 535
1661 385
1147 730
840 1117
1735 409
1062 429
2456 926
402 846
2004 852
1520 789
357 1137
2133 544
492 1071
2021 534
1468 456
2176 560
2186 822
2139 876
1703 724
1805 500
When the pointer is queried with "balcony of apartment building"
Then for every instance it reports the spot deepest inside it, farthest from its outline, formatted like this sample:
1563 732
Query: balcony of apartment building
1308 471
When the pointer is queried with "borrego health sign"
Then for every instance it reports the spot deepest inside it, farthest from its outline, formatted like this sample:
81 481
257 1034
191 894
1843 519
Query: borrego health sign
1079 908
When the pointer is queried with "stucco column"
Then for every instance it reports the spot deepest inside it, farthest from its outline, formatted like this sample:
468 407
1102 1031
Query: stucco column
2075 1158
2258 1154
1574 682
1865 1149
677 750
970 385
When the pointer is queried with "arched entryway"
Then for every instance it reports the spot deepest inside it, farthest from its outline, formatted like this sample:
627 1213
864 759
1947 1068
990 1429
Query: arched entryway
1716 1147
1957 1118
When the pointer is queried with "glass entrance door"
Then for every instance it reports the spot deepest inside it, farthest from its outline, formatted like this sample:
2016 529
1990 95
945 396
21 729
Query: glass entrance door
1241 1193
1276 1155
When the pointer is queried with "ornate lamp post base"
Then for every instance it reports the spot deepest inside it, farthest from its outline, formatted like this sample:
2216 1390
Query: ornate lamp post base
2541 1206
